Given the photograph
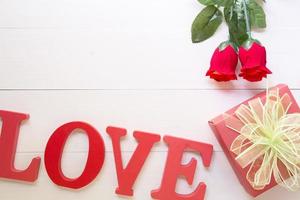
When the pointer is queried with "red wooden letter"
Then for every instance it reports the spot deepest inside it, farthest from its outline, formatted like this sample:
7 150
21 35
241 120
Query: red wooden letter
9 134
127 176
174 169
54 150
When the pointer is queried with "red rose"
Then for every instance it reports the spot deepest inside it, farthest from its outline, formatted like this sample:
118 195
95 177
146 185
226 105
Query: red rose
223 64
253 61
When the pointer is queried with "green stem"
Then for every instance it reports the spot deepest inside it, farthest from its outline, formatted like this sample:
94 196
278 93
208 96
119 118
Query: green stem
247 18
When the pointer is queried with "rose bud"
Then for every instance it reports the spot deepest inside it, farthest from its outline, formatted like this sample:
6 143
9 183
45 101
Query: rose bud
223 63
253 60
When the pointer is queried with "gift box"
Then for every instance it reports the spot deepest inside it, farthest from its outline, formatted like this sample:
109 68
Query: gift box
229 139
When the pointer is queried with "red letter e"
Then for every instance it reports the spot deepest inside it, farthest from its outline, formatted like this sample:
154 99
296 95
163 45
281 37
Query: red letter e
174 168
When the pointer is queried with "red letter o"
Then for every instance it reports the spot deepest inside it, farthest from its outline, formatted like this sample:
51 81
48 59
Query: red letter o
54 150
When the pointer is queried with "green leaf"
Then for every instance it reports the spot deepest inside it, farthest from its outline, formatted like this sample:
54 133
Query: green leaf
207 2
216 2
225 3
235 19
206 23
257 15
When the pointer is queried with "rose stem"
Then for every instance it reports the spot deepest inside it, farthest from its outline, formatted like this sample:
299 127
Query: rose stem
247 19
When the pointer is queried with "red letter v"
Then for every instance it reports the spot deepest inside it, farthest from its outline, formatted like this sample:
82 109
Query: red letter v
127 176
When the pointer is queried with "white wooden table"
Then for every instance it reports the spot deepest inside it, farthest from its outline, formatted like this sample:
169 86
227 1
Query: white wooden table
129 64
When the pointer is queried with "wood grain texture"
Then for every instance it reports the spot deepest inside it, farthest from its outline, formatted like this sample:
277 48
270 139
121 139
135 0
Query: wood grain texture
129 64
220 179
127 45
177 113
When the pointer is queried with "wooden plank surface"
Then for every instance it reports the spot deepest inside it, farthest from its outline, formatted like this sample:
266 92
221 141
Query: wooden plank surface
177 113
220 179
129 64
98 44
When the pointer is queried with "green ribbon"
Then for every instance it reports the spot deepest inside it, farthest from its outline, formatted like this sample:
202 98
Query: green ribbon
268 140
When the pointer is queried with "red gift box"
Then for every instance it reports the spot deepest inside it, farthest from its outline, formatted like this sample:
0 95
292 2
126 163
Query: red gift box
226 136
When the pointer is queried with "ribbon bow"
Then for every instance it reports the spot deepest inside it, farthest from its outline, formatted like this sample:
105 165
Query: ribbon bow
268 141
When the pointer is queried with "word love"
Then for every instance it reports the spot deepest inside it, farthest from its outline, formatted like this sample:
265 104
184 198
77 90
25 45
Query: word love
11 122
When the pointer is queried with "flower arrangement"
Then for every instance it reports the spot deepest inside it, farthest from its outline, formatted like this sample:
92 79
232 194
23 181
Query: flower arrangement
241 17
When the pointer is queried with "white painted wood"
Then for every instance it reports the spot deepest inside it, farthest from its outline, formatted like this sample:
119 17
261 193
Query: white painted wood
177 113
220 179
129 64
157 16
127 45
